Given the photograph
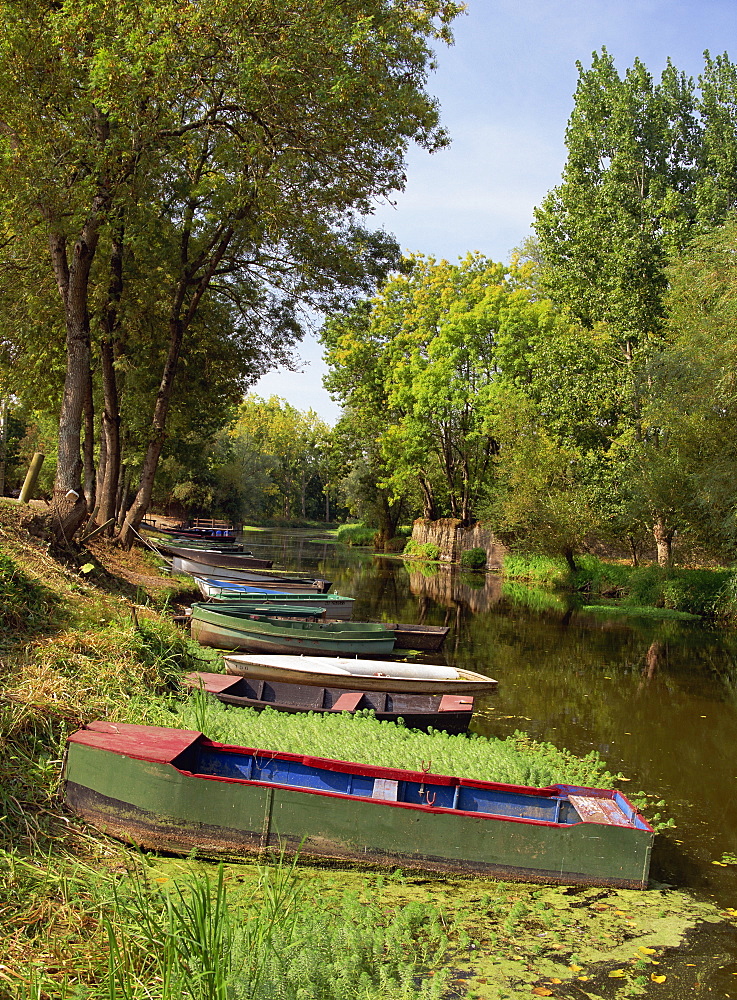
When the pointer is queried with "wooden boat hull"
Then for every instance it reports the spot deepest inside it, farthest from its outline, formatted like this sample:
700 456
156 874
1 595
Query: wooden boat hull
213 557
419 637
285 584
428 638
450 713
233 595
256 634
370 675
174 790
219 534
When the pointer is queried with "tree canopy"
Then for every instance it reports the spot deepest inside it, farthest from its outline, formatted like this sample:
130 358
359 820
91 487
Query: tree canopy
230 146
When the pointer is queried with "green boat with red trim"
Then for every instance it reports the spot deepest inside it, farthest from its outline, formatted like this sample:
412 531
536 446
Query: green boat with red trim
175 790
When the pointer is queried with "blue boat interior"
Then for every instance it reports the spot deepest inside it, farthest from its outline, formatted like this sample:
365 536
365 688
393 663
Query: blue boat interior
453 793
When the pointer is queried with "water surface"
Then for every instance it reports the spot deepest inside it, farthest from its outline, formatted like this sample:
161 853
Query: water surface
658 701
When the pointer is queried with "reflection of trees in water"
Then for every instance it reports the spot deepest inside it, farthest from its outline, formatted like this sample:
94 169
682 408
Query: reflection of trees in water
655 658
450 588
656 699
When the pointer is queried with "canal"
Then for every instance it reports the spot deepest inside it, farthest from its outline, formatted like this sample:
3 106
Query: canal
657 700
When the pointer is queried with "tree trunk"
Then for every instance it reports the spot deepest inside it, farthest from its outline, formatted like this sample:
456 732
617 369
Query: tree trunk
570 559
429 511
3 443
68 508
121 492
111 432
179 320
88 450
110 389
663 540
634 550
138 508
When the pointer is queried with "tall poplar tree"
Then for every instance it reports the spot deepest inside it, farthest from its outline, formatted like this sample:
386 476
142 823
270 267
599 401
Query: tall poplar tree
628 200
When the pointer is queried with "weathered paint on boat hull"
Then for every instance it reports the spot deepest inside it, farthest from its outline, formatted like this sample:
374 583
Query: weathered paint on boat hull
451 713
286 584
223 637
154 805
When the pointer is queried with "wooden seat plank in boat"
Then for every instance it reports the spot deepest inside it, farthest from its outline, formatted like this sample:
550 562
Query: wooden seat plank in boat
348 701
595 810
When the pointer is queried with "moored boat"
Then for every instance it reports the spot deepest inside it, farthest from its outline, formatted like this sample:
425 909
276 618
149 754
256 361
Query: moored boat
230 616
217 559
370 675
238 595
220 530
255 633
451 713
177 791
266 581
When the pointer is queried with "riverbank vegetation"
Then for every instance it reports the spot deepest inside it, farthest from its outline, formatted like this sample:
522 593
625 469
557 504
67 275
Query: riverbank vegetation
86 917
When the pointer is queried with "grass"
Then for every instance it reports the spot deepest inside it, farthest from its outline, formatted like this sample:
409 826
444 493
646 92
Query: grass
361 738
706 593
657 614
422 550
85 918
356 535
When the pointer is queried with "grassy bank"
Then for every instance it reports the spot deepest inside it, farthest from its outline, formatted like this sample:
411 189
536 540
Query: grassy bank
708 593
86 918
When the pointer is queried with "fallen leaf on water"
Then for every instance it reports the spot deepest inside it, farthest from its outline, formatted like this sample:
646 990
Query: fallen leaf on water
542 991
621 913
657 979
584 979
616 974
556 981
575 968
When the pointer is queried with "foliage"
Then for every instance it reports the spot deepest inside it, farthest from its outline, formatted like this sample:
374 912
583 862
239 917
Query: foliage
635 611
356 534
26 605
182 190
280 460
419 365
473 558
540 569
422 550
360 738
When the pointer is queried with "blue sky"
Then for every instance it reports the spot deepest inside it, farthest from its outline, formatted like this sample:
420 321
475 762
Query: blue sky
506 92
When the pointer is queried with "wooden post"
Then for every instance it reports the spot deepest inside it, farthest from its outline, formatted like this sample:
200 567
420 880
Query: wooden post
31 477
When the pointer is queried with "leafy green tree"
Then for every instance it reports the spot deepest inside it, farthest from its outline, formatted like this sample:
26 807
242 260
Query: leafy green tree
286 445
250 132
627 202
424 360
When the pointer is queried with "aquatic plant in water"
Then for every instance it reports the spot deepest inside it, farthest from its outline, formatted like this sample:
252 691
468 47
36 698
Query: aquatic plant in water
362 739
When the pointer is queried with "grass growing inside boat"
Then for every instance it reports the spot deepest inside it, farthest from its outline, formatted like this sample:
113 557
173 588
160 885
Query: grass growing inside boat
362 739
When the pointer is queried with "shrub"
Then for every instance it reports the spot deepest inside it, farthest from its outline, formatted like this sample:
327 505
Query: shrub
356 534
473 558
422 550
